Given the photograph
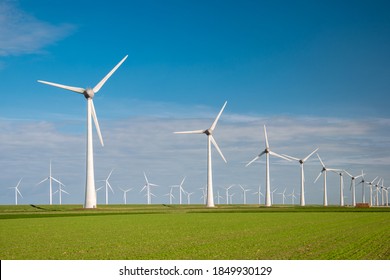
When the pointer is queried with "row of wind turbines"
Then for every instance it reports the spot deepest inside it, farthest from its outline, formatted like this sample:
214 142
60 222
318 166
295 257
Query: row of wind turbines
90 189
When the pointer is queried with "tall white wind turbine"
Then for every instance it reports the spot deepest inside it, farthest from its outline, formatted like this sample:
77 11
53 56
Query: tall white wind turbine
267 152
89 93
301 162
323 172
181 190
60 191
363 182
227 193
17 191
210 139
353 187
377 192
259 194
147 187
50 178
244 191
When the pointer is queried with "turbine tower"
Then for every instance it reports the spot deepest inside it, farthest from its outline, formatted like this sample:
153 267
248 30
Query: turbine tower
210 139
341 173
370 184
244 192
181 190
60 191
267 152
323 172
89 93
301 162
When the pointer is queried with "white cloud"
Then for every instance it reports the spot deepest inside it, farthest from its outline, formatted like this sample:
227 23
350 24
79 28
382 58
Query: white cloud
22 33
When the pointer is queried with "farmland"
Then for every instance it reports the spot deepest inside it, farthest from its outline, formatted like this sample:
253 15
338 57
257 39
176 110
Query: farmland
193 232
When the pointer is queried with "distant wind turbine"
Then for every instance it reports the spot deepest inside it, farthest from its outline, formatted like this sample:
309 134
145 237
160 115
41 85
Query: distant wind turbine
147 187
210 139
227 193
272 195
352 187
60 191
244 191
267 152
17 192
341 173
301 162
323 172
181 190
89 93
107 185
170 194
363 182
377 192
189 197
50 178
292 196
370 184
283 195
125 194
259 194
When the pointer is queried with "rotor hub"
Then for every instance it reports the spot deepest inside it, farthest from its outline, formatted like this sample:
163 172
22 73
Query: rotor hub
89 93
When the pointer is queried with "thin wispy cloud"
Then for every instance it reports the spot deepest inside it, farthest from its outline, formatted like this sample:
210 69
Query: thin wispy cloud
22 33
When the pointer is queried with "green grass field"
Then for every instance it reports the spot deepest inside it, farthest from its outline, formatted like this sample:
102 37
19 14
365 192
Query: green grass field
119 232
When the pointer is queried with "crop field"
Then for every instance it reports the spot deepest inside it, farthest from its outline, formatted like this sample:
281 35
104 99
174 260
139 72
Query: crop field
154 232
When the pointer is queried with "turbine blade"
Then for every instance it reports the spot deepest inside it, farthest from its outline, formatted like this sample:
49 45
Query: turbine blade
318 177
74 89
323 165
109 175
266 137
110 187
101 83
217 118
19 182
290 157
216 146
146 178
42 181
96 123
306 158
55 180
65 191
280 156
190 132
253 160
349 174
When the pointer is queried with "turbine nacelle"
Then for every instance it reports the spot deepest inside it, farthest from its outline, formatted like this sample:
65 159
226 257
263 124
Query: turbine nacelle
89 93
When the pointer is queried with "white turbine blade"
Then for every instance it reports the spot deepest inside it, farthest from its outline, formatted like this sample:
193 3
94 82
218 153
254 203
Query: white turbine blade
19 183
143 188
256 158
153 185
43 181
266 137
290 157
323 165
190 132
277 155
109 175
182 181
96 123
55 180
349 174
17 190
64 191
318 177
74 89
361 175
306 158
110 187
146 179
101 83
216 146
217 118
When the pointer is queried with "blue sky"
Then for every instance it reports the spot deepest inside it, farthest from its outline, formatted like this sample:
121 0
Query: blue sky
316 73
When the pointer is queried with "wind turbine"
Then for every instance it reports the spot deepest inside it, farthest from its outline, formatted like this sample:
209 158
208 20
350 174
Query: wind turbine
218 197
352 187
60 191
292 196
181 190
50 178
227 193
89 93
170 194
301 162
383 193
341 173
377 192
272 195
363 182
17 192
210 139
188 197
125 194
370 184
259 194
323 172
244 192
267 152
107 186
283 195
147 187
